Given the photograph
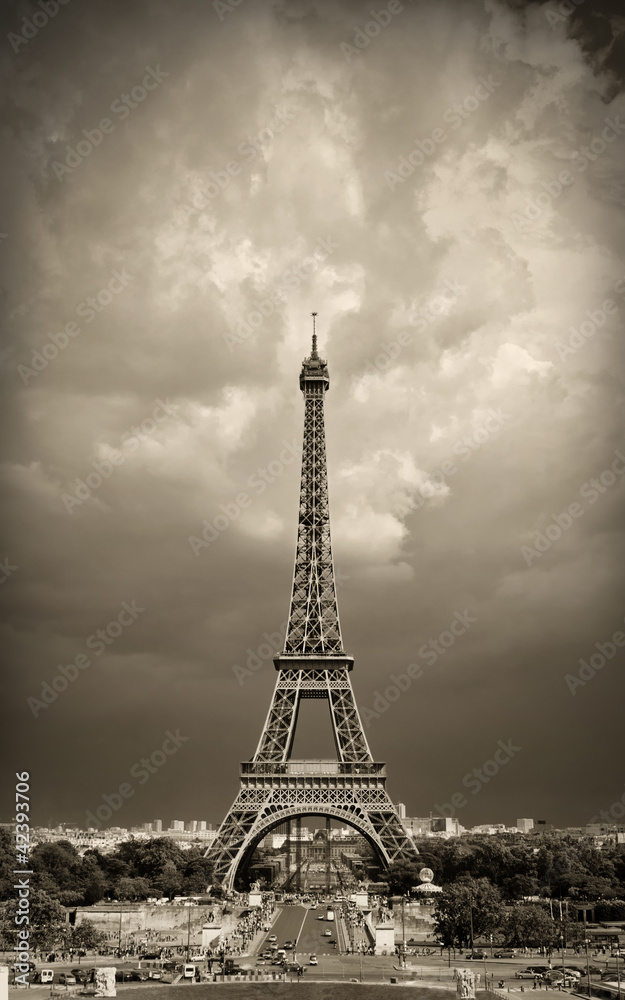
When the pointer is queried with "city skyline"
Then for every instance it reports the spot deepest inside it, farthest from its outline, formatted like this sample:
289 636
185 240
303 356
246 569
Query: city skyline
444 191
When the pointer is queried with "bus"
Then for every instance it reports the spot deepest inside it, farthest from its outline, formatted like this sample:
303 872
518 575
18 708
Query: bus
330 913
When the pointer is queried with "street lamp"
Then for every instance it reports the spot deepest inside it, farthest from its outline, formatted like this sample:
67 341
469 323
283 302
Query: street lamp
402 899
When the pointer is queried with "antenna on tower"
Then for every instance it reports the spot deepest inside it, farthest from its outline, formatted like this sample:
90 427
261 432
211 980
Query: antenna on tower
314 337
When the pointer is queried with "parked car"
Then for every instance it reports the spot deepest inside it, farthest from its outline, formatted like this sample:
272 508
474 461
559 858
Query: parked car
507 953
477 953
527 974
82 975
66 979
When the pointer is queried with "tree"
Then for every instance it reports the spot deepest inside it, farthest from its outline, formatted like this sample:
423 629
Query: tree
465 900
402 876
132 888
47 920
531 925
7 864
87 936
168 881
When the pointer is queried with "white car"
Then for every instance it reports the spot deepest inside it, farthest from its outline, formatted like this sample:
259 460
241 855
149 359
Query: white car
313 960
327 933
272 938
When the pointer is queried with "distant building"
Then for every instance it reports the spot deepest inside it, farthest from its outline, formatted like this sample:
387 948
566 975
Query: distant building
525 825
177 825
401 809
191 826
445 824
157 826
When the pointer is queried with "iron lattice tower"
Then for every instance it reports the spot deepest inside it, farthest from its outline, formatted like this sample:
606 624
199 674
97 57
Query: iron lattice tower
275 788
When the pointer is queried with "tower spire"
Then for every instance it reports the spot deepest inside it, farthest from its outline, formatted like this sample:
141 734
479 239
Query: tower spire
313 627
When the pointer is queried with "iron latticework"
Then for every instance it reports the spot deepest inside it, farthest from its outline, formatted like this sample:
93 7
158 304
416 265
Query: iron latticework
275 788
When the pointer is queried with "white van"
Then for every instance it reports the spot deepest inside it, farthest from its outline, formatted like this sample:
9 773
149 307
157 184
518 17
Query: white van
45 976
188 972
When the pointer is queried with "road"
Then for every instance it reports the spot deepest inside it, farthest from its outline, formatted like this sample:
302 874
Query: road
302 924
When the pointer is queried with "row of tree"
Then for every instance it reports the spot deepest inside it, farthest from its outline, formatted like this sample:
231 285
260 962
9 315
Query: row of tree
473 909
547 866
134 871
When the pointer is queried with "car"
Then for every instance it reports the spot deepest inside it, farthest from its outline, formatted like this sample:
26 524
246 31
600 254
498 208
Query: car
327 933
66 979
570 971
477 953
272 938
81 975
45 976
313 960
507 953
321 917
566 981
526 974
288 944
540 969
293 967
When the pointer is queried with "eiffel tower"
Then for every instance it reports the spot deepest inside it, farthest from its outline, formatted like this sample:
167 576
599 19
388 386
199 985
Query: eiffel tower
274 788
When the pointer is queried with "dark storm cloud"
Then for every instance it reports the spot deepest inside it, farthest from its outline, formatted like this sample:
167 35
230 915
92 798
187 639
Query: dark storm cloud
409 191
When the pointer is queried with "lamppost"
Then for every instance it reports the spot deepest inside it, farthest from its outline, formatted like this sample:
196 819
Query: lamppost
402 900
586 943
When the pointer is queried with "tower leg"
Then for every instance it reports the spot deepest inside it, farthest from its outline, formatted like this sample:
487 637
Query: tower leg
298 854
328 855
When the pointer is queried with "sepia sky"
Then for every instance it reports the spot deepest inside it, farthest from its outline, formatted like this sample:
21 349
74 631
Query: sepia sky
444 185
